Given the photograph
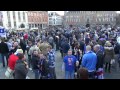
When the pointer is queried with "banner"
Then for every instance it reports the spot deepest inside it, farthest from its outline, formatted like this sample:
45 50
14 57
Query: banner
2 32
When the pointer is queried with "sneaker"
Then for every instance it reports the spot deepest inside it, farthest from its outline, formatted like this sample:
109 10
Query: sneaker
30 69
27 77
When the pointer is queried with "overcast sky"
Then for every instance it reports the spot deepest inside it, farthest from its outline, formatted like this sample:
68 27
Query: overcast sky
118 11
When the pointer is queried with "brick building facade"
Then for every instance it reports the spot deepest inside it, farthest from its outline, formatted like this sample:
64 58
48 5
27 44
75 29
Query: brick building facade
37 19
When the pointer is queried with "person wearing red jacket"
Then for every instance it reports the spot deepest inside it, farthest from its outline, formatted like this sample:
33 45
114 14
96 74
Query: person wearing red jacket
11 64
26 36
13 58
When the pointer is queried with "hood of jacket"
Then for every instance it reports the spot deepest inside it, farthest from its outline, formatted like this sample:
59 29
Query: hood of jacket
19 61
108 48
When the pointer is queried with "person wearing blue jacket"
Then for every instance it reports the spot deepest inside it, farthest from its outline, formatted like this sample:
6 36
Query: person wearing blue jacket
89 61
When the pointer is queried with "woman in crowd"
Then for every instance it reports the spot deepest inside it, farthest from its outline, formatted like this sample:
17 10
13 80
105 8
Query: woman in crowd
109 55
82 73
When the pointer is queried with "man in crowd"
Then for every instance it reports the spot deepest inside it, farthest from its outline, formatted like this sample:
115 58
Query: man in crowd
14 48
43 67
35 60
29 55
100 61
69 62
65 47
51 62
21 67
51 41
4 50
89 61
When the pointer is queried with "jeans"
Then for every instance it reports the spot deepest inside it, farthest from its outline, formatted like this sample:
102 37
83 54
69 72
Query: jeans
107 67
116 56
57 46
36 71
3 56
61 53
69 74
91 75
52 44
52 73
29 61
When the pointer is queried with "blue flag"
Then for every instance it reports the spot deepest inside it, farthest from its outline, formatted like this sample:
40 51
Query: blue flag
2 30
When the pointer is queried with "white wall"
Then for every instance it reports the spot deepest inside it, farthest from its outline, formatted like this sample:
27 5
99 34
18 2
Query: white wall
58 20
18 23
5 20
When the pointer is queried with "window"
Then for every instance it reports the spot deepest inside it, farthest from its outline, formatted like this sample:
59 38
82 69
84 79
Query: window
36 25
9 24
19 18
8 15
9 21
108 19
31 19
76 20
32 25
111 19
13 14
103 19
23 16
50 18
29 25
15 24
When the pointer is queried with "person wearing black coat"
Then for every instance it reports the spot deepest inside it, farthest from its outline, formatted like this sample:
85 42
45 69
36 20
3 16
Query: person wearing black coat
23 45
14 48
100 58
4 50
65 47
35 65
100 62
117 54
21 68
43 67
82 46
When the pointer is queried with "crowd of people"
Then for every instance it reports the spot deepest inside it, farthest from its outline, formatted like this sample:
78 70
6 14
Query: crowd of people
86 53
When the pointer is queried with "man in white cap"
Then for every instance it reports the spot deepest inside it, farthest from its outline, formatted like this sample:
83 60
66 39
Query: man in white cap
11 63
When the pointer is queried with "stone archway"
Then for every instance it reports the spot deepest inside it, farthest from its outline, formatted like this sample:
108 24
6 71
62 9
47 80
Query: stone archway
22 25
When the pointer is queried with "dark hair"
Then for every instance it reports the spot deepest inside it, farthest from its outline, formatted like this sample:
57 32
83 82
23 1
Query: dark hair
3 39
20 56
82 73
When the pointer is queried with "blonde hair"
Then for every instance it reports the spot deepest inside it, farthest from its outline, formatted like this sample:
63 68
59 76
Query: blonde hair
88 48
107 43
